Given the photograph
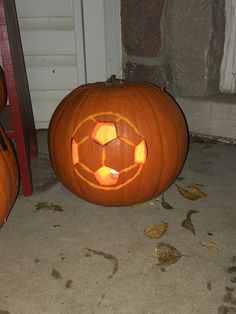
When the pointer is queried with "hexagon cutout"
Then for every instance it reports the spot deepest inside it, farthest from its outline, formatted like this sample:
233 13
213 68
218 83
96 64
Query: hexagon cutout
106 176
104 132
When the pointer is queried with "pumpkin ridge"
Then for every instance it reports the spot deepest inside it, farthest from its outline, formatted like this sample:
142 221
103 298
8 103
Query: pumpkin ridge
7 169
89 91
160 133
83 99
9 173
6 192
180 163
181 116
129 98
12 157
52 134
177 166
53 128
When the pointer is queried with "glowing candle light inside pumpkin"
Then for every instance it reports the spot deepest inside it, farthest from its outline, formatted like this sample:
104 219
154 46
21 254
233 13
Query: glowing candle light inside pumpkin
140 153
106 175
104 132
74 152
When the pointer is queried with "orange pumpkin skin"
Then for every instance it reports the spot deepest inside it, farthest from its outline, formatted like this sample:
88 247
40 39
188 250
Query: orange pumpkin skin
3 89
143 116
9 177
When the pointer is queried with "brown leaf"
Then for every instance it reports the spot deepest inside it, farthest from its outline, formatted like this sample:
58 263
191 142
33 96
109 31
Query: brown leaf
187 222
165 204
166 254
210 245
190 192
207 142
156 231
41 205
194 189
48 206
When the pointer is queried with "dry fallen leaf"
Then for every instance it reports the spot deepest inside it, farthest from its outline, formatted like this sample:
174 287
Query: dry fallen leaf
165 204
48 206
194 189
187 222
156 231
166 254
210 245
206 142
190 192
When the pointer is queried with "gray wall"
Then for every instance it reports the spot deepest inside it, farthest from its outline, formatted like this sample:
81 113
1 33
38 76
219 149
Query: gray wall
177 44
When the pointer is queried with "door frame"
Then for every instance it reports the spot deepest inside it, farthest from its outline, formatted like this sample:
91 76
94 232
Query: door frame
228 65
98 39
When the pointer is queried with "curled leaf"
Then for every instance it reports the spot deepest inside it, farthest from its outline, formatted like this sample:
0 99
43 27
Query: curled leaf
190 192
206 142
194 189
187 222
48 206
210 245
156 231
166 254
165 204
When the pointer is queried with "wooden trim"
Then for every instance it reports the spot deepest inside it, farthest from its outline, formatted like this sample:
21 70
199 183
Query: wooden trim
228 65
112 23
80 41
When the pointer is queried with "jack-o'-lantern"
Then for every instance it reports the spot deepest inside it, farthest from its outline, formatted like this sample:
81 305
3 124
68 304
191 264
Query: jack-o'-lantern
9 177
117 143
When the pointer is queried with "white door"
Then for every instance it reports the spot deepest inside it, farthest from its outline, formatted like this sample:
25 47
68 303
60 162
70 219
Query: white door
65 45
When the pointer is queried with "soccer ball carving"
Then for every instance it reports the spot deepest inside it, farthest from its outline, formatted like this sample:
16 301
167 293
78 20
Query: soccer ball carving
105 139
117 144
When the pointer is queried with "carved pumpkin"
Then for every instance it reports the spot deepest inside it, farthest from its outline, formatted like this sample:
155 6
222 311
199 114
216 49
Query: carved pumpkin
9 177
117 143
3 89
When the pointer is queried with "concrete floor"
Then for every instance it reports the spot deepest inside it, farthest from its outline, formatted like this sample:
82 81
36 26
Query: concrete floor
46 268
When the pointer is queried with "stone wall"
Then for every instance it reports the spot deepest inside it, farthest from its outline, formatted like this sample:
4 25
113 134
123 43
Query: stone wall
174 44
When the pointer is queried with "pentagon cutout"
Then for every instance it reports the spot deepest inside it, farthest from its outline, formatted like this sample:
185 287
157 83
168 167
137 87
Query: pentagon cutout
106 176
104 132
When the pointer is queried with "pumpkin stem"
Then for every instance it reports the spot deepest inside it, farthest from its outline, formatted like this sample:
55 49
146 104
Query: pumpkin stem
113 81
